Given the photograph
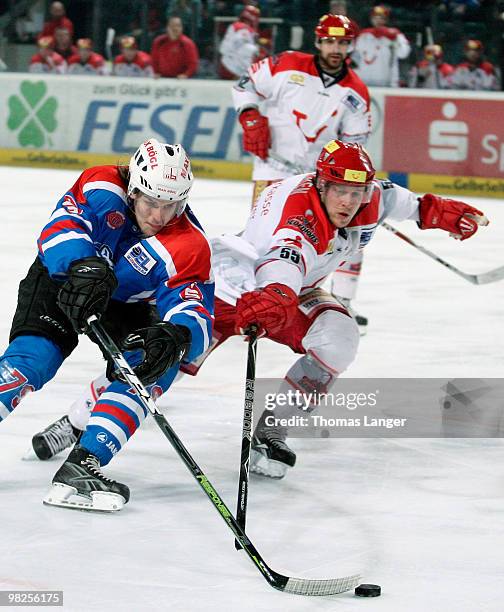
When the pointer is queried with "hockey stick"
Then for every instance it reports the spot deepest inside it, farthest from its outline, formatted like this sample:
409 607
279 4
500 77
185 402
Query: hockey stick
109 41
299 586
248 412
285 162
477 279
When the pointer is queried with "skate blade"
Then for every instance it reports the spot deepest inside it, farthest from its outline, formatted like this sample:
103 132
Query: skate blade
259 464
64 496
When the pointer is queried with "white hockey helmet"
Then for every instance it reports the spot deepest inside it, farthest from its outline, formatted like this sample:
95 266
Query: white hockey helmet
161 171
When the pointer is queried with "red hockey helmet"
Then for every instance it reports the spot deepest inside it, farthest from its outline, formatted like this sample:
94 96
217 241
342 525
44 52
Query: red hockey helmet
84 43
380 11
347 163
46 42
474 45
251 14
335 26
433 52
129 42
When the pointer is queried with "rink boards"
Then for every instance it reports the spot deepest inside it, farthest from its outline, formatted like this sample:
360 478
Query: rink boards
427 141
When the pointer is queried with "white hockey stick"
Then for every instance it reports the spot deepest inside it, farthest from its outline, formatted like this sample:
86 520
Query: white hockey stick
288 164
477 279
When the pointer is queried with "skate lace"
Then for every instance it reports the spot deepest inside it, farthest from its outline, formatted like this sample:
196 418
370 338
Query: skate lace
58 436
273 435
93 466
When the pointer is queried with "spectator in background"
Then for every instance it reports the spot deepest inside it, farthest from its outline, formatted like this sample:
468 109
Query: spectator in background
86 61
431 72
174 55
63 43
238 48
58 20
190 12
131 62
463 9
338 7
378 50
475 72
46 60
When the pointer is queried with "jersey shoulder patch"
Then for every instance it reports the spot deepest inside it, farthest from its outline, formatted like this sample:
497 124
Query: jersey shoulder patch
140 259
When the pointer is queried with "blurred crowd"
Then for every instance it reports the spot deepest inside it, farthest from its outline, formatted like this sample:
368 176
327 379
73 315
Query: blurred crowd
221 39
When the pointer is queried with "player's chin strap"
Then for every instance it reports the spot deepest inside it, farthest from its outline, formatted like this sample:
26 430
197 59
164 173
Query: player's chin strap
299 586
477 279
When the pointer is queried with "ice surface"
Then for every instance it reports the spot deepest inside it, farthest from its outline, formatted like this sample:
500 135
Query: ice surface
423 518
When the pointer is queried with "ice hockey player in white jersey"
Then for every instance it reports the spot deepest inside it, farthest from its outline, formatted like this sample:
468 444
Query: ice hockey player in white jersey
291 104
476 73
378 50
238 48
270 274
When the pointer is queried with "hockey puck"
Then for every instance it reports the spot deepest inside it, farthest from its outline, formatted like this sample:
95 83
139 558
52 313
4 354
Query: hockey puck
368 590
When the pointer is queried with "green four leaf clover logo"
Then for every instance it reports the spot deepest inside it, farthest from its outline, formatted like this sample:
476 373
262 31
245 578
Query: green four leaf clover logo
32 114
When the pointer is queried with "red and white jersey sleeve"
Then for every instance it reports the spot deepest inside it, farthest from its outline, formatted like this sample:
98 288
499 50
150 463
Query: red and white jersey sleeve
377 54
303 113
429 75
141 66
238 48
289 239
94 65
484 77
52 64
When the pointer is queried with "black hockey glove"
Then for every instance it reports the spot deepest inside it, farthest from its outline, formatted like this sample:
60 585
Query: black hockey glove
91 282
164 345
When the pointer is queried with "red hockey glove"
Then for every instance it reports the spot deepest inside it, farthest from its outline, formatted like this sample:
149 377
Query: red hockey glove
256 132
461 220
270 309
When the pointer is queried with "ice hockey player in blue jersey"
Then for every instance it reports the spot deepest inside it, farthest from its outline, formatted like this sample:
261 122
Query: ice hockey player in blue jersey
120 240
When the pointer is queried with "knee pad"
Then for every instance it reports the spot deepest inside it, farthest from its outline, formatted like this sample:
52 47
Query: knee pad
332 339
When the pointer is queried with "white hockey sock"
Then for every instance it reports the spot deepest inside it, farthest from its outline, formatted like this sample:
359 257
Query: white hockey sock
80 410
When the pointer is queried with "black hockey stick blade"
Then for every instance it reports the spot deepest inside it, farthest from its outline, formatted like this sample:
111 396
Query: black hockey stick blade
299 586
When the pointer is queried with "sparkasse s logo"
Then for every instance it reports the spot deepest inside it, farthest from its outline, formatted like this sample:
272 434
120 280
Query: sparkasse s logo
448 138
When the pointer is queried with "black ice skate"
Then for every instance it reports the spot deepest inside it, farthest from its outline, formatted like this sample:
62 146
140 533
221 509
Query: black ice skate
79 484
57 437
270 456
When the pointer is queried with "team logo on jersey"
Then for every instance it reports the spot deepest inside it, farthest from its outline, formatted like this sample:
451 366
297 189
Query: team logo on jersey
365 237
102 437
71 206
302 224
297 79
104 251
191 292
354 103
115 219
140 259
